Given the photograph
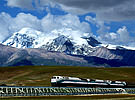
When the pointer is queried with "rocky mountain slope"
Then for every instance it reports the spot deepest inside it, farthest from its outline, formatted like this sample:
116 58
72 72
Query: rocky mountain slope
16 57
10 56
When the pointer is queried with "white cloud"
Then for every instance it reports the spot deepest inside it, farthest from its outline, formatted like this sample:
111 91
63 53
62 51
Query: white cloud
103 29
48 23
20 3
113 36
90 19
25 20
120 37
69 24
5 21
9 25
51 22
123 34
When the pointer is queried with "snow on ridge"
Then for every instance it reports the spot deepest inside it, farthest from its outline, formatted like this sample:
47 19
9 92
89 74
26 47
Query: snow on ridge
31 38
114 47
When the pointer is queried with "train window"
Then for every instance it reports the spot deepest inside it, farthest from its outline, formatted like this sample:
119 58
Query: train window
92 80
113 82
53 77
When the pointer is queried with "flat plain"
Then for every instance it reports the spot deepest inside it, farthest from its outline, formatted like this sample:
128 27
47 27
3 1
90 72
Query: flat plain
41 75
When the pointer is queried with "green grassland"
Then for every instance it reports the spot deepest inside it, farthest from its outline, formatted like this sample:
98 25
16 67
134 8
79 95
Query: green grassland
41 75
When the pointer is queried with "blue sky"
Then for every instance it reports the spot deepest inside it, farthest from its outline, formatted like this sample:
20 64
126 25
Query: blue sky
110 21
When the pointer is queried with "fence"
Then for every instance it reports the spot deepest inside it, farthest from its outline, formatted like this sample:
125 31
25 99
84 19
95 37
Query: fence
50 91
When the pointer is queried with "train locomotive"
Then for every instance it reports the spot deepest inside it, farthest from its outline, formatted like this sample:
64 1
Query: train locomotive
63 81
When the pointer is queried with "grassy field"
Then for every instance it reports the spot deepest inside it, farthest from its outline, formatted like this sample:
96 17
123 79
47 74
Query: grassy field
41 75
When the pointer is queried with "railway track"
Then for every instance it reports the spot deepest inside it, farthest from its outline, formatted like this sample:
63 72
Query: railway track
13 91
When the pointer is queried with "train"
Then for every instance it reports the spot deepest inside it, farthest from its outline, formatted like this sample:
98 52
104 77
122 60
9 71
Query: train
64 81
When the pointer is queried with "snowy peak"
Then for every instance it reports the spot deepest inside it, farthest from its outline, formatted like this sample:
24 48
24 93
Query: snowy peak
60 44
92 41
25 38
30 32
60 40
65 42
67 45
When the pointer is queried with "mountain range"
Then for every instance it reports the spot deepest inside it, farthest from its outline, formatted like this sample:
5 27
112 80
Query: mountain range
32 47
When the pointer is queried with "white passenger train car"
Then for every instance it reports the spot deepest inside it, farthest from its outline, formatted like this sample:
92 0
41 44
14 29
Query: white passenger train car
62 81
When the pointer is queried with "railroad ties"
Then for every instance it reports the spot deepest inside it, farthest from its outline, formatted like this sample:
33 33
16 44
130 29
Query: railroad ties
9 91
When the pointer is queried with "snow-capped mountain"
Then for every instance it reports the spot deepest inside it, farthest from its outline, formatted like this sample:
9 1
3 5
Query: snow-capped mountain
30 38
61 44
64 44
85 48
58 40
26 38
